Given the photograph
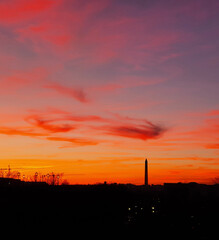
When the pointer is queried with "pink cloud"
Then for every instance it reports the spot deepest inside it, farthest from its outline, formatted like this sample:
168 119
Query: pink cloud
65 29
19 79
58 29
204 134
76 93
19 10
126 83
213 113
43 35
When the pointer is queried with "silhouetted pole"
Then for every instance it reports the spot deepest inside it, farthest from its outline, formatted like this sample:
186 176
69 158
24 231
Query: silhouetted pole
146 173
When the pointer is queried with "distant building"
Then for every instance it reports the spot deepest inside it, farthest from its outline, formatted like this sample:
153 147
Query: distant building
18 182
9 181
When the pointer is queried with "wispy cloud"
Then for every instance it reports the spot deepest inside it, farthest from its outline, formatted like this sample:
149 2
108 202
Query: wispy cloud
189 158
212 146
209 130
48 124
20 132
116 125
23 9
46 120
20 79
213 113
74 141
143 132
76 93
127 82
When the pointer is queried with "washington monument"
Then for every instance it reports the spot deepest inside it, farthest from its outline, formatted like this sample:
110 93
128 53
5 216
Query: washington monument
146 173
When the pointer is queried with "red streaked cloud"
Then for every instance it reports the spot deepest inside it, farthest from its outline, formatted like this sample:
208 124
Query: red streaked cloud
189 158
49 28
74 141
76 93
63 123
209 130
21 10
212 146
142 132
117 125
87 118
58 115
20 132
46 125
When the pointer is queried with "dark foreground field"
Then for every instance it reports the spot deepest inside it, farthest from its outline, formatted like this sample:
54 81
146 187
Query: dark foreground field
179 211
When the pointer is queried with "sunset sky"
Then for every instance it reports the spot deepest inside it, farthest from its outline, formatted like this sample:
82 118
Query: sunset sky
90 88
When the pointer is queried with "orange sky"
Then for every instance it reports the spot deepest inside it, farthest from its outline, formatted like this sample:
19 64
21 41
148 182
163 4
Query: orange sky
91 88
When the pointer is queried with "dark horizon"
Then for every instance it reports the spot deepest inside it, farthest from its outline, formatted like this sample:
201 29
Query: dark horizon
188 208
91 87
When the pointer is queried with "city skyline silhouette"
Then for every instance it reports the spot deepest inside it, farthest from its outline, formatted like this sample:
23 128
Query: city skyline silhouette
190 209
